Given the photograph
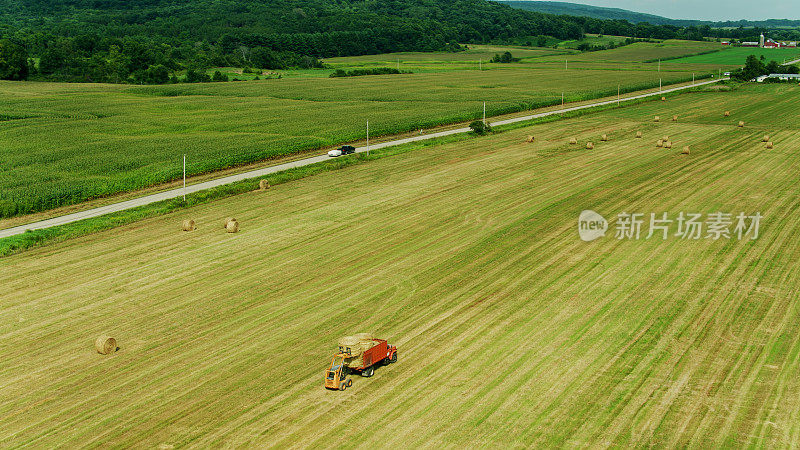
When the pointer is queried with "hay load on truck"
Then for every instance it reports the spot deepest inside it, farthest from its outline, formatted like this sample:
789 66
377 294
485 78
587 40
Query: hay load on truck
359 353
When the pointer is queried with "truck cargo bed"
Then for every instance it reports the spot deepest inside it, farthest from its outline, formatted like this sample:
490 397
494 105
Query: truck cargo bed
374 355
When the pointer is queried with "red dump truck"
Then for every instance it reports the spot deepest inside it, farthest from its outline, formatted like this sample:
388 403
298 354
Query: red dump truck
357 354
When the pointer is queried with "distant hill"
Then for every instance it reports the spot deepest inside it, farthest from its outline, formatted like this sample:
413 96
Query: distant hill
598 12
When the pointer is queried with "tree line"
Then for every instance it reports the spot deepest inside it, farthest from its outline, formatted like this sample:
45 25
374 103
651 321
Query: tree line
755 67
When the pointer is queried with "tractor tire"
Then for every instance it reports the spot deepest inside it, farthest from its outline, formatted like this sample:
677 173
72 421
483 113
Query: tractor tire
343 386
393 359
349 383
368 372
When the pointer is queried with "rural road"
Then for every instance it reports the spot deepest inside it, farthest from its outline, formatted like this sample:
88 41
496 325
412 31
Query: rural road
173 193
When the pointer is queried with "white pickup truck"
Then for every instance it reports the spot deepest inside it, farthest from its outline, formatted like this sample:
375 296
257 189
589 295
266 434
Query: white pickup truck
343 150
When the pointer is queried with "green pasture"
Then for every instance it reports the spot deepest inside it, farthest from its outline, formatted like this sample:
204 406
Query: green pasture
735 56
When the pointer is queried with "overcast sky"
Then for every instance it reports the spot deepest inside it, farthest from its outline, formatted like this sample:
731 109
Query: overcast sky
707 9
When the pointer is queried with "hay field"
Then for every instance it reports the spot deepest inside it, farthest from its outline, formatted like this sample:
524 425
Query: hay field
98 140
511 331
736 56
592 39
645 51
474 54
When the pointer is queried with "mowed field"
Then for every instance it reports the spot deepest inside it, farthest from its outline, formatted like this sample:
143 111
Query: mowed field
592 39
62 144
646 51
477 57
511 330
474 54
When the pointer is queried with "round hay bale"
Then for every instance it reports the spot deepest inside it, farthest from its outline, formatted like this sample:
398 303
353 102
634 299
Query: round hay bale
769 145
263 185
589 146
727 113
349 341
660 143
604 138
657 119
358 344
685 150
188 225
232 226
573 141
227 220
530 139
354 344
674 118
364 336
663 99
741 124
105 345
638 134
766 138
668 144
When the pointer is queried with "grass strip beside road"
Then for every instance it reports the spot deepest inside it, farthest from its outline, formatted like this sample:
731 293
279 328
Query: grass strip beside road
37 238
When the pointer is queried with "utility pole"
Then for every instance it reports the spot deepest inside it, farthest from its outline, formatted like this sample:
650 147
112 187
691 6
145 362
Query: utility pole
692 79
184 177
480 64
484 113
562 99
565 64
659 85
618 92
368 138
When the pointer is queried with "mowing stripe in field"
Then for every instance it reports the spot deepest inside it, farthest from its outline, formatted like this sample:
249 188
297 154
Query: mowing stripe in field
511 330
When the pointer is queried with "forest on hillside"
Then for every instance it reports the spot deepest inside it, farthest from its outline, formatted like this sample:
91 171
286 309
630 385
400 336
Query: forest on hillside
148 41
